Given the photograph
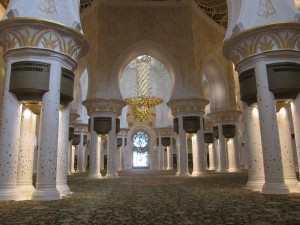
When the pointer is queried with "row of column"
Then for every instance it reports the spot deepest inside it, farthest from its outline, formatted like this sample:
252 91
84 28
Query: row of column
161 154
260 164
223 153
53 132
270 146
95 149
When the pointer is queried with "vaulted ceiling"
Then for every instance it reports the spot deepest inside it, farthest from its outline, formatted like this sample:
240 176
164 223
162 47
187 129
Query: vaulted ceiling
215 9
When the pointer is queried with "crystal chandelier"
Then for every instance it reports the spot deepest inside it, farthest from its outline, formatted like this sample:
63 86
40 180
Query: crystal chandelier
143 101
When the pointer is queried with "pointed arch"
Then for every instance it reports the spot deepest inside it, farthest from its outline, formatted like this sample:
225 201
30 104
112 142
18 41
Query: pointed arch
146 47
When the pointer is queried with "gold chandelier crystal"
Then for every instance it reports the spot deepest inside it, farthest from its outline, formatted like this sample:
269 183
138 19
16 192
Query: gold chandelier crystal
143 102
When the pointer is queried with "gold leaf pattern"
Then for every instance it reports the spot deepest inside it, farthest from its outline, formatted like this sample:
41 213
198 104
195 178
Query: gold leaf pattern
265 44
11 42
49 43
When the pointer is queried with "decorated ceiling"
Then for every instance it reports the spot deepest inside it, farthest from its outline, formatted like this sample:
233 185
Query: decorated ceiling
216 9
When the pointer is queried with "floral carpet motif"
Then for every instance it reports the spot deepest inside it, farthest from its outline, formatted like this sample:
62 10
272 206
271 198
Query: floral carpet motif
157 197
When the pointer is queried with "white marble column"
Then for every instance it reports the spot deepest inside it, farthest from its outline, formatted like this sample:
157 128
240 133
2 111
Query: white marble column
286 150
26 155
48 139
84 158
111 151
160 154
122 149
182 155
70 149
222 150
9 141
74 153
211 153
101 142
274 179
170 156
62 152
295 107
37 134
80 156
256 176
217 154
199 165
233 155
94 170
294 149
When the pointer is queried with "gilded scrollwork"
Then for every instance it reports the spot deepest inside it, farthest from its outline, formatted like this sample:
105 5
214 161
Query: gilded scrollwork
104 105
188 105
166 131
36 36
81 127
273 37
226 116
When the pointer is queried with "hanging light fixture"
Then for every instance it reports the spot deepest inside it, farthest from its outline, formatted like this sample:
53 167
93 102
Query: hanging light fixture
143 101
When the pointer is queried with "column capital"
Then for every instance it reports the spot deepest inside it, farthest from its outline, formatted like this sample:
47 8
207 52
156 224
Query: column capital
208 125
226 116
267 38
73 117
36 34
192 105
124 130
104 105
164 131
81 127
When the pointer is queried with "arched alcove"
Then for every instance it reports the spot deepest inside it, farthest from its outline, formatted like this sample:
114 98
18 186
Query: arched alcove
151 144
159 86
152 49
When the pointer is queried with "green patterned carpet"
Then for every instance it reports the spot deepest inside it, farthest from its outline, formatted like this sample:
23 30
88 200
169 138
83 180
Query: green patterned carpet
151 197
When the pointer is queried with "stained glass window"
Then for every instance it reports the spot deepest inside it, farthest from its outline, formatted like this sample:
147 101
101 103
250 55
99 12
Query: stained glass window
140 150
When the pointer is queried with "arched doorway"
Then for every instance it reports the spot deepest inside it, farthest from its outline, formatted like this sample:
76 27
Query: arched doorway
140 151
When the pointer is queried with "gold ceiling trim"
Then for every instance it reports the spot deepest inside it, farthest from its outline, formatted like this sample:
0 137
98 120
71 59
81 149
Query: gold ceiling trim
215 9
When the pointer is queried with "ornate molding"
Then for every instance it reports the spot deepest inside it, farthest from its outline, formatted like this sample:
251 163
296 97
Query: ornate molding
164 131
81 127
104 105
208 125
18 33
73 118
124 131
263 39
227 116
217 10
188 105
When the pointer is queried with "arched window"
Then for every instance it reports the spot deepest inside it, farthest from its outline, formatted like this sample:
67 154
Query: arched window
140 142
